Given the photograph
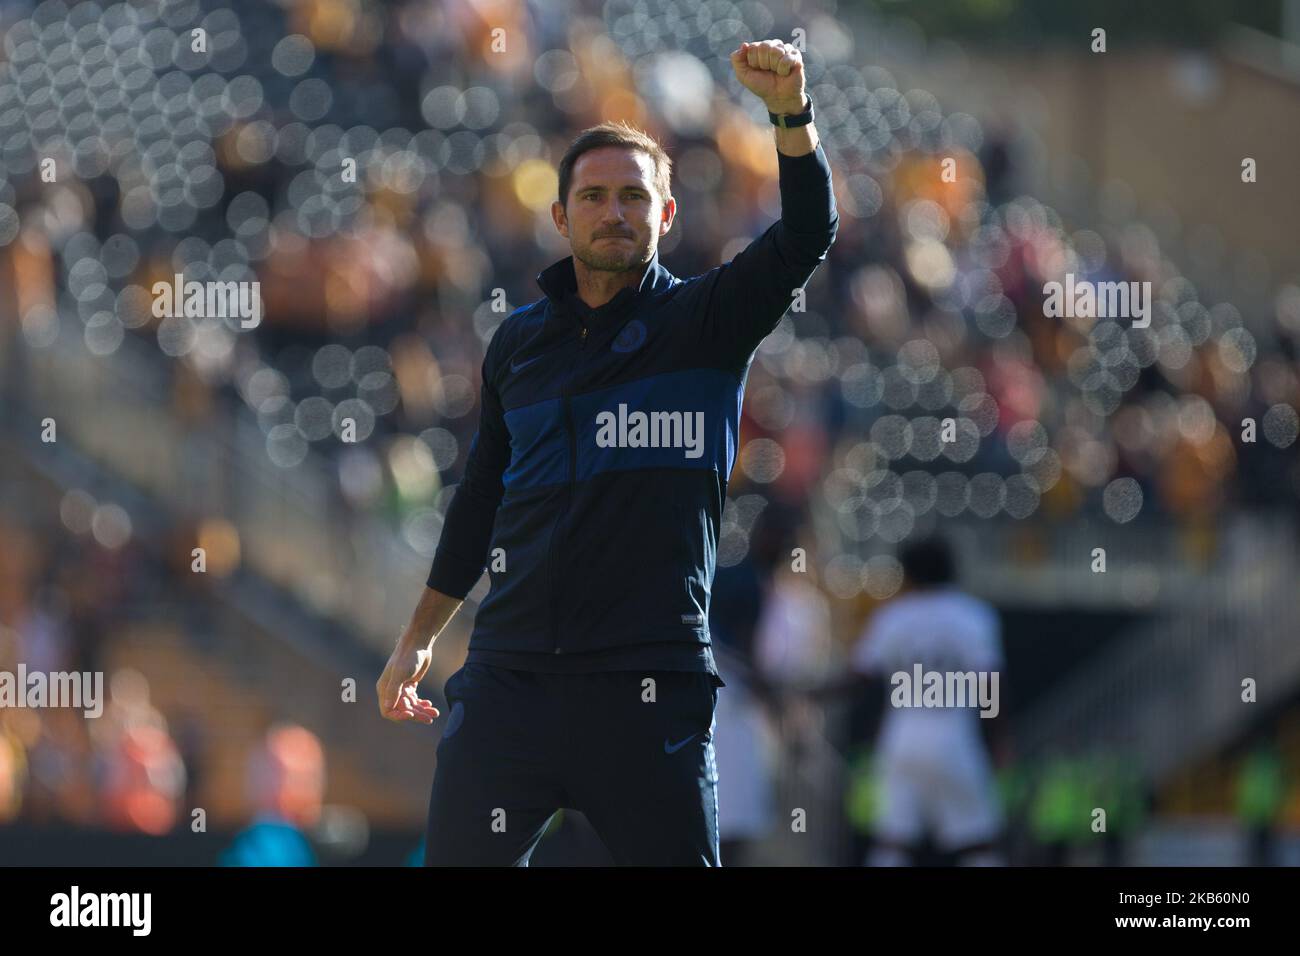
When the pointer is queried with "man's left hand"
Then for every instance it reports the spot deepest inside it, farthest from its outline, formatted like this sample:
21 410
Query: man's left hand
773 71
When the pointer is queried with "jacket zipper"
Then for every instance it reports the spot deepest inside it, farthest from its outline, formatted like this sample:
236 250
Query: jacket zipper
559 530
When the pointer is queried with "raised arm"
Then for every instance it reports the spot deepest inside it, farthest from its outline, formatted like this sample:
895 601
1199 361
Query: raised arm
747 296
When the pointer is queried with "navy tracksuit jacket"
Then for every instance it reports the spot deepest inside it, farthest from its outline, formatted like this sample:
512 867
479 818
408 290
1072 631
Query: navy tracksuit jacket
609 541
600 472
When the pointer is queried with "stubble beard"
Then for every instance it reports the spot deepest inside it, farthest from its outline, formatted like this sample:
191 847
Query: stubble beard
613 260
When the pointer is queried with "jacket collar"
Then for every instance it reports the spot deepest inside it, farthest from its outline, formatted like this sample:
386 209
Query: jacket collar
559 281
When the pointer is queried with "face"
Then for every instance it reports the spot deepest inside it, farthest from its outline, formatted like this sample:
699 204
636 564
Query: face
614 217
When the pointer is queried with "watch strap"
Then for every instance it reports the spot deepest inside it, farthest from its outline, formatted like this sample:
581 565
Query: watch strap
790 120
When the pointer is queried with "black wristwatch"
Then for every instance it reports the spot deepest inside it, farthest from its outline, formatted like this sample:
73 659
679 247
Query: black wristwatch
789 120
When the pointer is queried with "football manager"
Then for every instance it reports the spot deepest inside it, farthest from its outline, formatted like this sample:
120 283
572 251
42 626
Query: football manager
593 495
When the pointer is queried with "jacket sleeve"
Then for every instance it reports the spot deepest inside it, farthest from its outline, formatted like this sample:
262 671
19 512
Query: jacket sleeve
746 297
467 529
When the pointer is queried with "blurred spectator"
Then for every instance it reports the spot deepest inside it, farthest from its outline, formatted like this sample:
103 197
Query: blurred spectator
935 776
1260 796
793 643
1061 810
286 783
12 773
746 746
141 777
143 781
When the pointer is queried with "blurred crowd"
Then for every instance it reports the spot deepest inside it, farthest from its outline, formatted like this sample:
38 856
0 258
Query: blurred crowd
65 599
65 602
59 604
382 288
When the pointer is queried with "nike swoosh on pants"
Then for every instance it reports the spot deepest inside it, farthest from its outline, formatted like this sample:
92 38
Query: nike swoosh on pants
673 748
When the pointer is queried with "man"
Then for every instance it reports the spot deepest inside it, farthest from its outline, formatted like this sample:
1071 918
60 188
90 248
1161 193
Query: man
934 772
593 493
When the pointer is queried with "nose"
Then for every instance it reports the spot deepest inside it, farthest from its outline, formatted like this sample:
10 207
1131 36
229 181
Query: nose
613 218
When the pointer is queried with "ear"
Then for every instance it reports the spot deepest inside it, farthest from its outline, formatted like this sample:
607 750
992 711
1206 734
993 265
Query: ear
560 219
667 215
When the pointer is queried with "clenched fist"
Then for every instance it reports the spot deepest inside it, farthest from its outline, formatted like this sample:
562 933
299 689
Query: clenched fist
773 71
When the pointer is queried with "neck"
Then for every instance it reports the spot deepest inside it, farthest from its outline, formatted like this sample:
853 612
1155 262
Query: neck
597 287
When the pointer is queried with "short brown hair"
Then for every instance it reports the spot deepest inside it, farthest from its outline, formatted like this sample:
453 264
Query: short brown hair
616 134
